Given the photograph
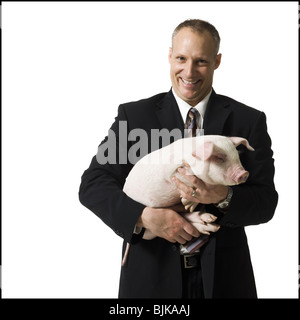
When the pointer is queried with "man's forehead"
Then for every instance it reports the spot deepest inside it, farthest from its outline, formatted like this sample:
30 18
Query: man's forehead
188 32
200 44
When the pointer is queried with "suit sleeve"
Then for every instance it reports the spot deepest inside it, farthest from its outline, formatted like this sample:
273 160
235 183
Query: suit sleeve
255 201
101 184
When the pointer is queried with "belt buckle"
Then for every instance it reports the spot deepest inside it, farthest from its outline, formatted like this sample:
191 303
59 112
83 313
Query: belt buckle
185 260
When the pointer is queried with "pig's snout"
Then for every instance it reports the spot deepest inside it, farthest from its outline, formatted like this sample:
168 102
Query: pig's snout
240 176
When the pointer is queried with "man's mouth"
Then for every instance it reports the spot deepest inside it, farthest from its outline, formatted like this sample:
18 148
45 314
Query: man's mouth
189 82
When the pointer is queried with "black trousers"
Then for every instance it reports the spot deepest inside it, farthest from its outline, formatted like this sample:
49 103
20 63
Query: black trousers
192 284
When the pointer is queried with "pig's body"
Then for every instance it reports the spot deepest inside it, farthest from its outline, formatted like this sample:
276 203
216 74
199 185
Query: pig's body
213 159
149 182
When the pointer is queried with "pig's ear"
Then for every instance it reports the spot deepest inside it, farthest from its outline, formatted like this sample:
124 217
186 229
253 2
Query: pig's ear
204 151
237 141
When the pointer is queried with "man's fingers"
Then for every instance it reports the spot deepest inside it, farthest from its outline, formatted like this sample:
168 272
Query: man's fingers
185 191
181 240
170 225
196 182
186 164
180 185
191 230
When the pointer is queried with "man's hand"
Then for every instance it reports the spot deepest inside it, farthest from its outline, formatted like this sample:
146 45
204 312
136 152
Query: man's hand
167 224
200 192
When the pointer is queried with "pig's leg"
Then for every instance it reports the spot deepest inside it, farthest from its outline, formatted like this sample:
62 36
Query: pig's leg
200 216
203 221
206 217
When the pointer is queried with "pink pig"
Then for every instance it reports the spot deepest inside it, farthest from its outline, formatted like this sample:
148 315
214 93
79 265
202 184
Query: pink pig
212 158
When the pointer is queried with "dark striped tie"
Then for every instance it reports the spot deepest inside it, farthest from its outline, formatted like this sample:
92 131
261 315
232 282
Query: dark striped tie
192 122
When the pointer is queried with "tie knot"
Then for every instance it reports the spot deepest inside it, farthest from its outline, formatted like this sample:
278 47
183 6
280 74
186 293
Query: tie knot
192 122
194 114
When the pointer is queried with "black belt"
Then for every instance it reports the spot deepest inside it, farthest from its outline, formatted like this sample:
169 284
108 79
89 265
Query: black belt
191 260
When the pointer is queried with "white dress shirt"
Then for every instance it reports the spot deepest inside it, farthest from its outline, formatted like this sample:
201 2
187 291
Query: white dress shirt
184 107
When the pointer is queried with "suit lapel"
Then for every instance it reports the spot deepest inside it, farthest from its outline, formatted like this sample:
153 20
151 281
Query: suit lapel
168 113
217 112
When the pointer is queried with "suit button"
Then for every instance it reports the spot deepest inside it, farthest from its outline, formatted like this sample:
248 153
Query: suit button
174 247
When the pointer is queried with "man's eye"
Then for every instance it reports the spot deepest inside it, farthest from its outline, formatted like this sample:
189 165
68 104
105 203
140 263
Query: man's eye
180 59
201 61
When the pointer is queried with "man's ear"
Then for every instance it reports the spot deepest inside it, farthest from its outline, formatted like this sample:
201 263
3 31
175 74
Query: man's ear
218 61
170 54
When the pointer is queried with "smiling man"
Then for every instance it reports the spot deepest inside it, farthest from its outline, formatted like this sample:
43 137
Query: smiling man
193 59
159 268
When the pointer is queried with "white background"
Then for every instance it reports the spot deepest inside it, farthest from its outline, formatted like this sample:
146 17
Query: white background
66 68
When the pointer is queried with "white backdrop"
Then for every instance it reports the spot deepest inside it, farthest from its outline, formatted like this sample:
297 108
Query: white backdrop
65 69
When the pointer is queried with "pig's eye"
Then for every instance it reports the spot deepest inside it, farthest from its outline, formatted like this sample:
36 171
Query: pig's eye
220 158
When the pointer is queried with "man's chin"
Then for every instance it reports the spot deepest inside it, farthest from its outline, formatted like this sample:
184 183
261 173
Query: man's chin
190 99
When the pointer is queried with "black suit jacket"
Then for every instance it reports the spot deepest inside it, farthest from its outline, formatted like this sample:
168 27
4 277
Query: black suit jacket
153 268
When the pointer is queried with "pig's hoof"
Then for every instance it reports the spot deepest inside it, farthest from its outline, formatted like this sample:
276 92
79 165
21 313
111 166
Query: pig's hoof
189 205
207 217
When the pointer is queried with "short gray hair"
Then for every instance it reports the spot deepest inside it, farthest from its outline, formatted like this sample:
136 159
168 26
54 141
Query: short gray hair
199 26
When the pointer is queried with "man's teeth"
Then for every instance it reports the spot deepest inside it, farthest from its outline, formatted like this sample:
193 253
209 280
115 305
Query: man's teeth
189 82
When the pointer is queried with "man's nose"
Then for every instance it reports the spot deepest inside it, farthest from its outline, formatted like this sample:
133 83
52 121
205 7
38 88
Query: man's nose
189 69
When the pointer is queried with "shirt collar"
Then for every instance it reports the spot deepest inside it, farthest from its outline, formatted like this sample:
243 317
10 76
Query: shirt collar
184 107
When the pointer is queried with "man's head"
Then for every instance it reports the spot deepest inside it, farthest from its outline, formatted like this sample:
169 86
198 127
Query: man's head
193 59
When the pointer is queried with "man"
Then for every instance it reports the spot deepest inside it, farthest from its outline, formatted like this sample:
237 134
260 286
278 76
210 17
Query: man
157 268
